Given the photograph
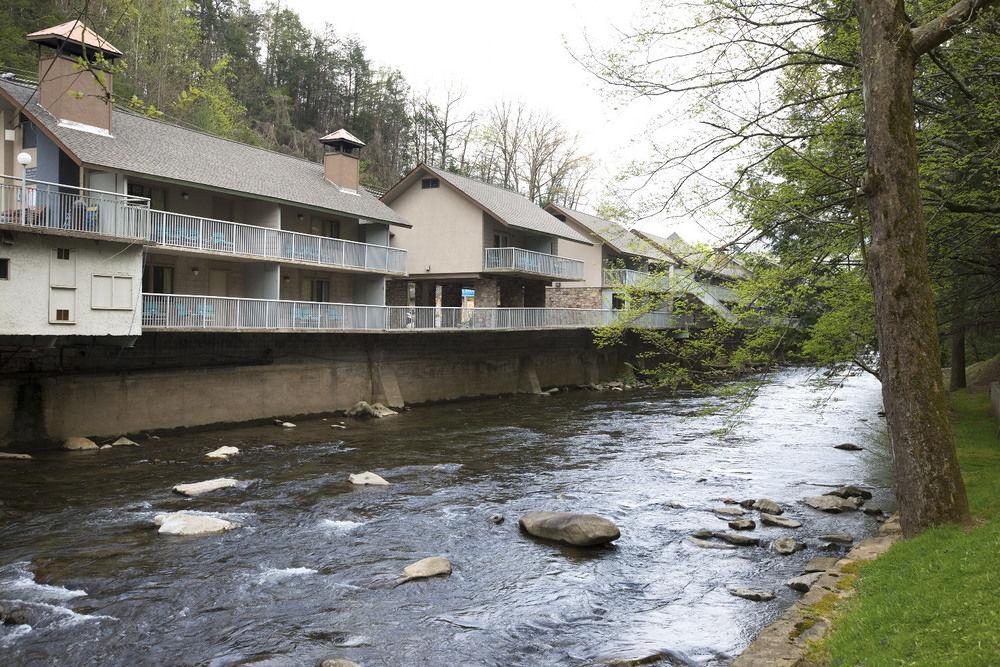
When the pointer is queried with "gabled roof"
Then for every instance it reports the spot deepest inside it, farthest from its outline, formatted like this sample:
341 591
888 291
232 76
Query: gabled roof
143 146
619 237
688 255
77 33
509 208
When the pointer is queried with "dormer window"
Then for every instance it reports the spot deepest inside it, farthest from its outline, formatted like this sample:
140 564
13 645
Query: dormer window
429 183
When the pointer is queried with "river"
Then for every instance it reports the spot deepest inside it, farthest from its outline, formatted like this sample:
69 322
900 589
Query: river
311 574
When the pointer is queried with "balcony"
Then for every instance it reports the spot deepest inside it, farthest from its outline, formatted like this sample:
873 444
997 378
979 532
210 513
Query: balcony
530 263
175 230
71 211
640 279
209 313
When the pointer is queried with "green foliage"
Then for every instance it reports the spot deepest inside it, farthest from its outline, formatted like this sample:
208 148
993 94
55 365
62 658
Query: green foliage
931 600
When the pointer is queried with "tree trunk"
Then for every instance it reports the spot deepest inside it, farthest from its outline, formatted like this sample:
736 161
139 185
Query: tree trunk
958 380
929 487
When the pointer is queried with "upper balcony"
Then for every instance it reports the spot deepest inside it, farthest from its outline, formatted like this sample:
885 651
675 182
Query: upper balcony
71 211
639 279
530 263
192 233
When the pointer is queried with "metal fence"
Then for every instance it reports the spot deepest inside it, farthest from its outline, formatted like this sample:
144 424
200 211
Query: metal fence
177 230
633 278
35 203
178 311
528 261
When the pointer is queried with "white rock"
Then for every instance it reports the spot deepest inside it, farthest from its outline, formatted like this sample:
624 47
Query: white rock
105 447
12 456
367 478
198 488
287 425
124 442
222 453
364 409
434 566
185 523
79 444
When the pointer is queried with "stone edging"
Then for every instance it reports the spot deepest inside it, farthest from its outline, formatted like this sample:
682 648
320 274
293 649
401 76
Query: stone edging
784 642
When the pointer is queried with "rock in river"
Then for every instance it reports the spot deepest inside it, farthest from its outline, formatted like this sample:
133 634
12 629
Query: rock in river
728 512
832 503
708 544
186 523
222 453
124 442
754 594
435 566
363 409
780 521
198 488
582 530
338 662
743 524
79 444
12 456
848 447
820 564
768 506
367 479
849 491
737 539
787 545
804 582
837 538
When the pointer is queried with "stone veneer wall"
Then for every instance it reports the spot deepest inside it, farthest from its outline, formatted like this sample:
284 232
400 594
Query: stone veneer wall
573 297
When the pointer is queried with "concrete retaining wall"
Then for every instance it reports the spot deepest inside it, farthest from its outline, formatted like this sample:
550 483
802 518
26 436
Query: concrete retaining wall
198 379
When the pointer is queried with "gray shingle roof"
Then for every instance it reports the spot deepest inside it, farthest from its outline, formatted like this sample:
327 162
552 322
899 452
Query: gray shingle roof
716 263
616 235
148 147
509 207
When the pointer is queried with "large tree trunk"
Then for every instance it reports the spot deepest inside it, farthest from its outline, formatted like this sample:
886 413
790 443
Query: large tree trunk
929 487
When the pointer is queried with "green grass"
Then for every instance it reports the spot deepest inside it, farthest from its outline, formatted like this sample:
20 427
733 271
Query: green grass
934 599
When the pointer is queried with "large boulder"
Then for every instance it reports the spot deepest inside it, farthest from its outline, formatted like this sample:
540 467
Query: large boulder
187 523
832 504
77 444
364 410
367 479
787 545
768 507
435 566
222 453
198 488
582 530
804 582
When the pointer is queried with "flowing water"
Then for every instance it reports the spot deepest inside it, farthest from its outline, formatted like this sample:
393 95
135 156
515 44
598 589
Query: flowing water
312 572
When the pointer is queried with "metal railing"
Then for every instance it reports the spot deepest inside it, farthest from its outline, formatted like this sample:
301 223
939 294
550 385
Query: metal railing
40 204
633 278
182 311
176 230
519 260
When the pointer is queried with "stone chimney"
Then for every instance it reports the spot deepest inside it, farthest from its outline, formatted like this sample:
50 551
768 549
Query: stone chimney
342 159
71 93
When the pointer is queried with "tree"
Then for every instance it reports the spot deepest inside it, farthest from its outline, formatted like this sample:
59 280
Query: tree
737 63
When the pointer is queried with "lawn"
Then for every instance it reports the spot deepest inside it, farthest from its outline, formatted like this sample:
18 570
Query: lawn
935 599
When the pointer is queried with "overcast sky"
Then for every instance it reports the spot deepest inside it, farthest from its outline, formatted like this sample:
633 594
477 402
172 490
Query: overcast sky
514 50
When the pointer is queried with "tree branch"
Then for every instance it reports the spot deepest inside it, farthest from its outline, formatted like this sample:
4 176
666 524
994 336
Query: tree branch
938 30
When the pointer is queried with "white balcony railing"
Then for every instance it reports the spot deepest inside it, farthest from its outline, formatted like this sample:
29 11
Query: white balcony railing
179 311
176 230
519 260
633 278
39 204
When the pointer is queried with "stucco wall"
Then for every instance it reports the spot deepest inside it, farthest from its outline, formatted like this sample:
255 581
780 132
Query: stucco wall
25 297
590 255
447 233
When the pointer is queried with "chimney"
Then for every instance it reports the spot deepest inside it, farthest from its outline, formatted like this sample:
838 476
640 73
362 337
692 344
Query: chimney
68 92
342 159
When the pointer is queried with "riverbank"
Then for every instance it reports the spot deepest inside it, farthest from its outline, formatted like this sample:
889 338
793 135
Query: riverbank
931 600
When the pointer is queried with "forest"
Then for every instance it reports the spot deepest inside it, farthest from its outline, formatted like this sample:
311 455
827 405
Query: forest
263 77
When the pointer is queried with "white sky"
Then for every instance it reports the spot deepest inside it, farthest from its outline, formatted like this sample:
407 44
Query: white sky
513 50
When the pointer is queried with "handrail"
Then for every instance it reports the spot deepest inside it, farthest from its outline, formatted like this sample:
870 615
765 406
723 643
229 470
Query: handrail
187 311
532 261
127 197
181 230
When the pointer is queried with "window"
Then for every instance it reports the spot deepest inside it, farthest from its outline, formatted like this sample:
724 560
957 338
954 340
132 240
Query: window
62 315
111 292
62 253
158 279
4 268
315 290
500 240
429 183
29 135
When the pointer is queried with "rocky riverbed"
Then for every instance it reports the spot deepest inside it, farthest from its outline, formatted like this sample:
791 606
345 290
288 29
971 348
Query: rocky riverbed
309 566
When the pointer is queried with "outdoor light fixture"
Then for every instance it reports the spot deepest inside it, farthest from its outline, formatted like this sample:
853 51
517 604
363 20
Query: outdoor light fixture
185 196
300 217
24 159
194 271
